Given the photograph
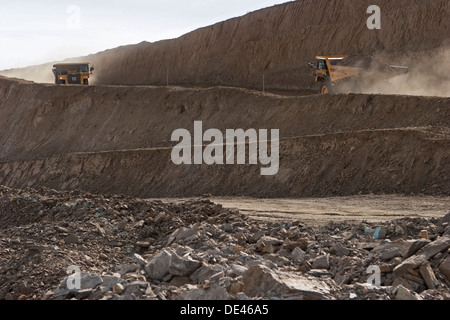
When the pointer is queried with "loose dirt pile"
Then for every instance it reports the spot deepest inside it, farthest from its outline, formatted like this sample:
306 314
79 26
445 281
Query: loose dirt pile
130 248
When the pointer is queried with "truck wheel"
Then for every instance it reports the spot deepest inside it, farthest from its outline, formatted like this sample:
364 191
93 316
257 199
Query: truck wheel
325 87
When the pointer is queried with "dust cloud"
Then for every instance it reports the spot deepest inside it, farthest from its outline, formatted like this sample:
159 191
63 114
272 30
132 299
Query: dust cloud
428 75
39 74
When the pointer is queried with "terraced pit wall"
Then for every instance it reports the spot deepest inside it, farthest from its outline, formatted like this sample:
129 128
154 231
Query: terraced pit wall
116 139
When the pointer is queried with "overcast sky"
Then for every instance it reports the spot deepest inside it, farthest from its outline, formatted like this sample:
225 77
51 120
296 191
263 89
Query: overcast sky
39 31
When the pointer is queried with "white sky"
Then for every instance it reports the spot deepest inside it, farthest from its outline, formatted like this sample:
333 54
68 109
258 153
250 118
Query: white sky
38 31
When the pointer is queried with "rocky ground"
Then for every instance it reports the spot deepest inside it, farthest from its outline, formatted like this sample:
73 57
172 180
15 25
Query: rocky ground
75 245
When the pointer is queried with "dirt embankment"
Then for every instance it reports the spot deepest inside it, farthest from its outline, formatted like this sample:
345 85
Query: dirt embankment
39 121
117 140
392 161
276 43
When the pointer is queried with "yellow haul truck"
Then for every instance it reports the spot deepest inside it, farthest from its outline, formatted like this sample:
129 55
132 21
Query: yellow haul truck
72 73
333 75
328 72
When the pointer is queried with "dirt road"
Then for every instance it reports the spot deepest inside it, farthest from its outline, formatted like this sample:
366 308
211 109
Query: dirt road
320 211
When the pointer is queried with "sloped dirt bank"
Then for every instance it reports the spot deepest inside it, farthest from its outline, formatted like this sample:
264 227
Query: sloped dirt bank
409 161
277 43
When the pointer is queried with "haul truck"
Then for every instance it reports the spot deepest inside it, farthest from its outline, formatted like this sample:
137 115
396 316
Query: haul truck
331 75
72 73
328 72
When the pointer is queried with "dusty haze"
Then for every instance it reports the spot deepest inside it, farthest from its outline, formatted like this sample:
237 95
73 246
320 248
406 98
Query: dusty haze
428 76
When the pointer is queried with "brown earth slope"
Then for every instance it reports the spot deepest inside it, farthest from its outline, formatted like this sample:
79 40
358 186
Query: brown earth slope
43 120
115 137
384 161
117 140
277 43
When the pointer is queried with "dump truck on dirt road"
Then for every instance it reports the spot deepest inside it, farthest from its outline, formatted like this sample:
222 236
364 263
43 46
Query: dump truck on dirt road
337 74
72 73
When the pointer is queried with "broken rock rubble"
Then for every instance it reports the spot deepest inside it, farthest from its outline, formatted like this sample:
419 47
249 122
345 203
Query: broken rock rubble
331 267
128 248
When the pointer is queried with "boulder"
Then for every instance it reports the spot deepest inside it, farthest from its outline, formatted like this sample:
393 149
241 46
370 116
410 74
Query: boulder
158 266
268 244
428 275
424 254
260 281
298 254
214 292
321 262
206 272
406 294
77 285
444 267
339 250
183 266
410 247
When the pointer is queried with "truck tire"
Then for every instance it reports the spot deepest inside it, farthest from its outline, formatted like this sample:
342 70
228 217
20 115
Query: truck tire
325 87
86 82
